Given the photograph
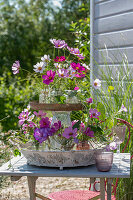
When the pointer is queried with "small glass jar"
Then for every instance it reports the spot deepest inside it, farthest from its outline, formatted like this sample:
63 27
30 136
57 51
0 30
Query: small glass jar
103 160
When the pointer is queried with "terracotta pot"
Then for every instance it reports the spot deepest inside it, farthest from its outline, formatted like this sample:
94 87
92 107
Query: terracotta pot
83 146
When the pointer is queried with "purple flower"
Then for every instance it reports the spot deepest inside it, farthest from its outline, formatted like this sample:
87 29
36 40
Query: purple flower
75 51
70 132
16 67
77 67
81 57
89 132
89 100
23 116
112 146
62 73
44 123
60 59
58 43
57 125
94 113
41 134
49 77
40 113
76 140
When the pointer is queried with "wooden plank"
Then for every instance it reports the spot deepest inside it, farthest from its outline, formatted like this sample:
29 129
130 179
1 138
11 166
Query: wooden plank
114 71
84 172
109 8
114 23
114 56
115 39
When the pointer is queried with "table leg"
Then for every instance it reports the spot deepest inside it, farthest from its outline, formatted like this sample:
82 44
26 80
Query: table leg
32 185
109 184
102 189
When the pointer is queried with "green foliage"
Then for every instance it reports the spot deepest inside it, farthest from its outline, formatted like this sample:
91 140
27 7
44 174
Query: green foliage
14 96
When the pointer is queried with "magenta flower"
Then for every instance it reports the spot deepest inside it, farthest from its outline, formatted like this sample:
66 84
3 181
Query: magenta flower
57 125
44 123
16 67
60 59
76 88
62 73
49 77
94 113
58 43
89 132
40 113
41 134
82 127
77 67
70 132
89 100
80 75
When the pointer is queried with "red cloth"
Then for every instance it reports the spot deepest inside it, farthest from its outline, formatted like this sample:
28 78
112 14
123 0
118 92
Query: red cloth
75 195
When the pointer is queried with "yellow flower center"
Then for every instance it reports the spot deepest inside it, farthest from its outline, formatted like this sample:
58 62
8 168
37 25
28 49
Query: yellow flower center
39 68
95 83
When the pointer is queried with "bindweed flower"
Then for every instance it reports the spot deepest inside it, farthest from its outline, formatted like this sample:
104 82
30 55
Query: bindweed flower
49 77
60 59
94 113
16 67
97 84
58 43
70 132
123 108
39 67
45 58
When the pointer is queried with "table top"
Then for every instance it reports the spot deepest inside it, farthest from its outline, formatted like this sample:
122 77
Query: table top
120 169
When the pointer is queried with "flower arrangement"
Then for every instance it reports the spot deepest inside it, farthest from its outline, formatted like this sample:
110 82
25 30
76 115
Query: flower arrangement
64 72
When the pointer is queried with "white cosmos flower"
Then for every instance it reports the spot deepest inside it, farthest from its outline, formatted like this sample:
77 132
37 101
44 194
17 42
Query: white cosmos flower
39 67
57 65
45 58
97 84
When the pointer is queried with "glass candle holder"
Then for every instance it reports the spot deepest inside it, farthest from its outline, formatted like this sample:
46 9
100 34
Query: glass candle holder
103 160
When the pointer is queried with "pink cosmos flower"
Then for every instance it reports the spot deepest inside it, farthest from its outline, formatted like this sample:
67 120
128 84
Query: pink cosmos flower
58 43
44 122
60 59
76 52
40 113
76 88
97 84
16 67
77 67
89 132
89 100
57 125
81 57
70 132
62 73
74 122
80 75
82 127
94 113
49 77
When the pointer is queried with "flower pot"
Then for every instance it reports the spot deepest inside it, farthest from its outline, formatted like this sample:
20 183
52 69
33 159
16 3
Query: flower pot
83 146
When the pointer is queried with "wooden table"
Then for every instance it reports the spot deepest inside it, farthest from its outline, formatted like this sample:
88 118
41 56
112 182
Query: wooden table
120 169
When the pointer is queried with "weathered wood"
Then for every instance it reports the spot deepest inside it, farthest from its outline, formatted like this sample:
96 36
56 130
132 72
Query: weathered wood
41 197
32 186
108 8
109 184
114 56
114 40
15 178
102 189
22 169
